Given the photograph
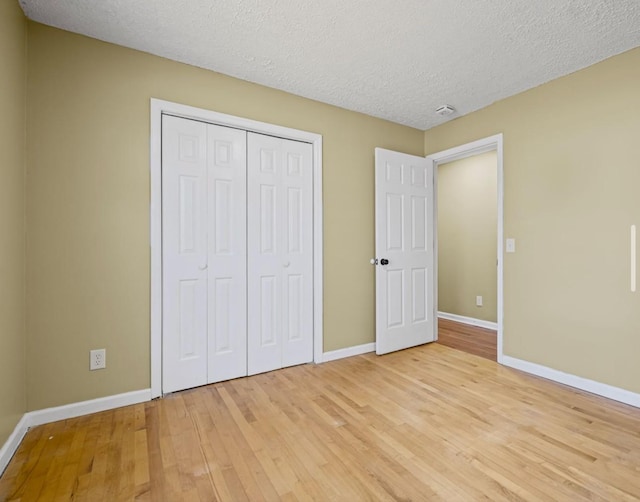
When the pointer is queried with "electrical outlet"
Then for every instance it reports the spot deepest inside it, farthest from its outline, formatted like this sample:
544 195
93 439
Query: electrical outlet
97 359
478 301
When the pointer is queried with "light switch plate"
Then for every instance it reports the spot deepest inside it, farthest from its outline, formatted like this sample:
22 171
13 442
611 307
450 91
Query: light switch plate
511 245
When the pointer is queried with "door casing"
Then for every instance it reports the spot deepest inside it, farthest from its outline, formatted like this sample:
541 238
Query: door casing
491 143
160 107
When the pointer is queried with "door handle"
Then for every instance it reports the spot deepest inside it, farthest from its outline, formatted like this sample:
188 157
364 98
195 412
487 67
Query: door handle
384 261
202 267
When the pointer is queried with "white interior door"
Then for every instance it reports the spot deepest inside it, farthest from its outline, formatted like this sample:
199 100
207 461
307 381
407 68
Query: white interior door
405 310
204 253
184 274
280 257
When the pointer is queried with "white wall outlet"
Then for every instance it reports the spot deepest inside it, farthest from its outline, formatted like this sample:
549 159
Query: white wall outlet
97 359
478 301
511 245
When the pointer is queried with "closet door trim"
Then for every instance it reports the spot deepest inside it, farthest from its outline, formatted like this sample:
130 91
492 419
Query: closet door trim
161 107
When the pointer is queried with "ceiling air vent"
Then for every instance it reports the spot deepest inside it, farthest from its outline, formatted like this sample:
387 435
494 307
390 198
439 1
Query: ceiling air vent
445 110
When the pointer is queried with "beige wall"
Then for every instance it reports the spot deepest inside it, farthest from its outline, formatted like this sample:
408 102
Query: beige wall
572 175
467 236
13 62
88 205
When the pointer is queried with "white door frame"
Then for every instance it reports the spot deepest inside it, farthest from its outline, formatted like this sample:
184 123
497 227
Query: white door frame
492 143
160 107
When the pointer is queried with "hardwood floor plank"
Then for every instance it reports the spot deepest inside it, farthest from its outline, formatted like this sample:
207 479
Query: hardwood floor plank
428 423
472 339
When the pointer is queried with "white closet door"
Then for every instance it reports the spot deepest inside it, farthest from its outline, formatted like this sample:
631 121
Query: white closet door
184 280
204 253
227 256
280 257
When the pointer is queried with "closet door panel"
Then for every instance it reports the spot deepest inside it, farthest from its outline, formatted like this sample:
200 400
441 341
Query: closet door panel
264 265
280 257
184 282
227 255
297 253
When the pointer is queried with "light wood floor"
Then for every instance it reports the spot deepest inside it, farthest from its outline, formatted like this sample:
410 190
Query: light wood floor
471 339
429 423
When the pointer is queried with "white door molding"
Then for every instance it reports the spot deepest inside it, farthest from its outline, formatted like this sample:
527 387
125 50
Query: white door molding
160 107
492 143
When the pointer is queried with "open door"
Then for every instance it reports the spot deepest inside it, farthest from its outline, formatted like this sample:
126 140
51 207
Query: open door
405 258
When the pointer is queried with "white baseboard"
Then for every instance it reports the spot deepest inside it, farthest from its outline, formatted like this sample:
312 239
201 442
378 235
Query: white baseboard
469 320
357 350
11 444
73 410
598 388
47 415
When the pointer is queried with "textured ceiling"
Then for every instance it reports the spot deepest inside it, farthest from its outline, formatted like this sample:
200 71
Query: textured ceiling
398 60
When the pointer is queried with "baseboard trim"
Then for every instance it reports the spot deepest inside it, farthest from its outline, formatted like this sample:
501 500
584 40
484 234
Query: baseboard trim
598 388
47 415
73 410
11 444
357 350
469 320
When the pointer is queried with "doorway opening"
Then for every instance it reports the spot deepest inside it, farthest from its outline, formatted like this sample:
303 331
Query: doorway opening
468 206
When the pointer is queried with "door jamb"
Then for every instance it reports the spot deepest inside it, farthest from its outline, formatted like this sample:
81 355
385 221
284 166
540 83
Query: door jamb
483 145
160 107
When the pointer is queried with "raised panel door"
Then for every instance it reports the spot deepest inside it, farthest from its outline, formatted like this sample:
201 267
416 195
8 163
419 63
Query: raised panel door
405 310
280 256
184 285
227 253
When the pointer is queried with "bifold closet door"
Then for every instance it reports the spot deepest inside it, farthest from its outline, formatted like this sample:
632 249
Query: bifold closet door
280 255
227 253
204 253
